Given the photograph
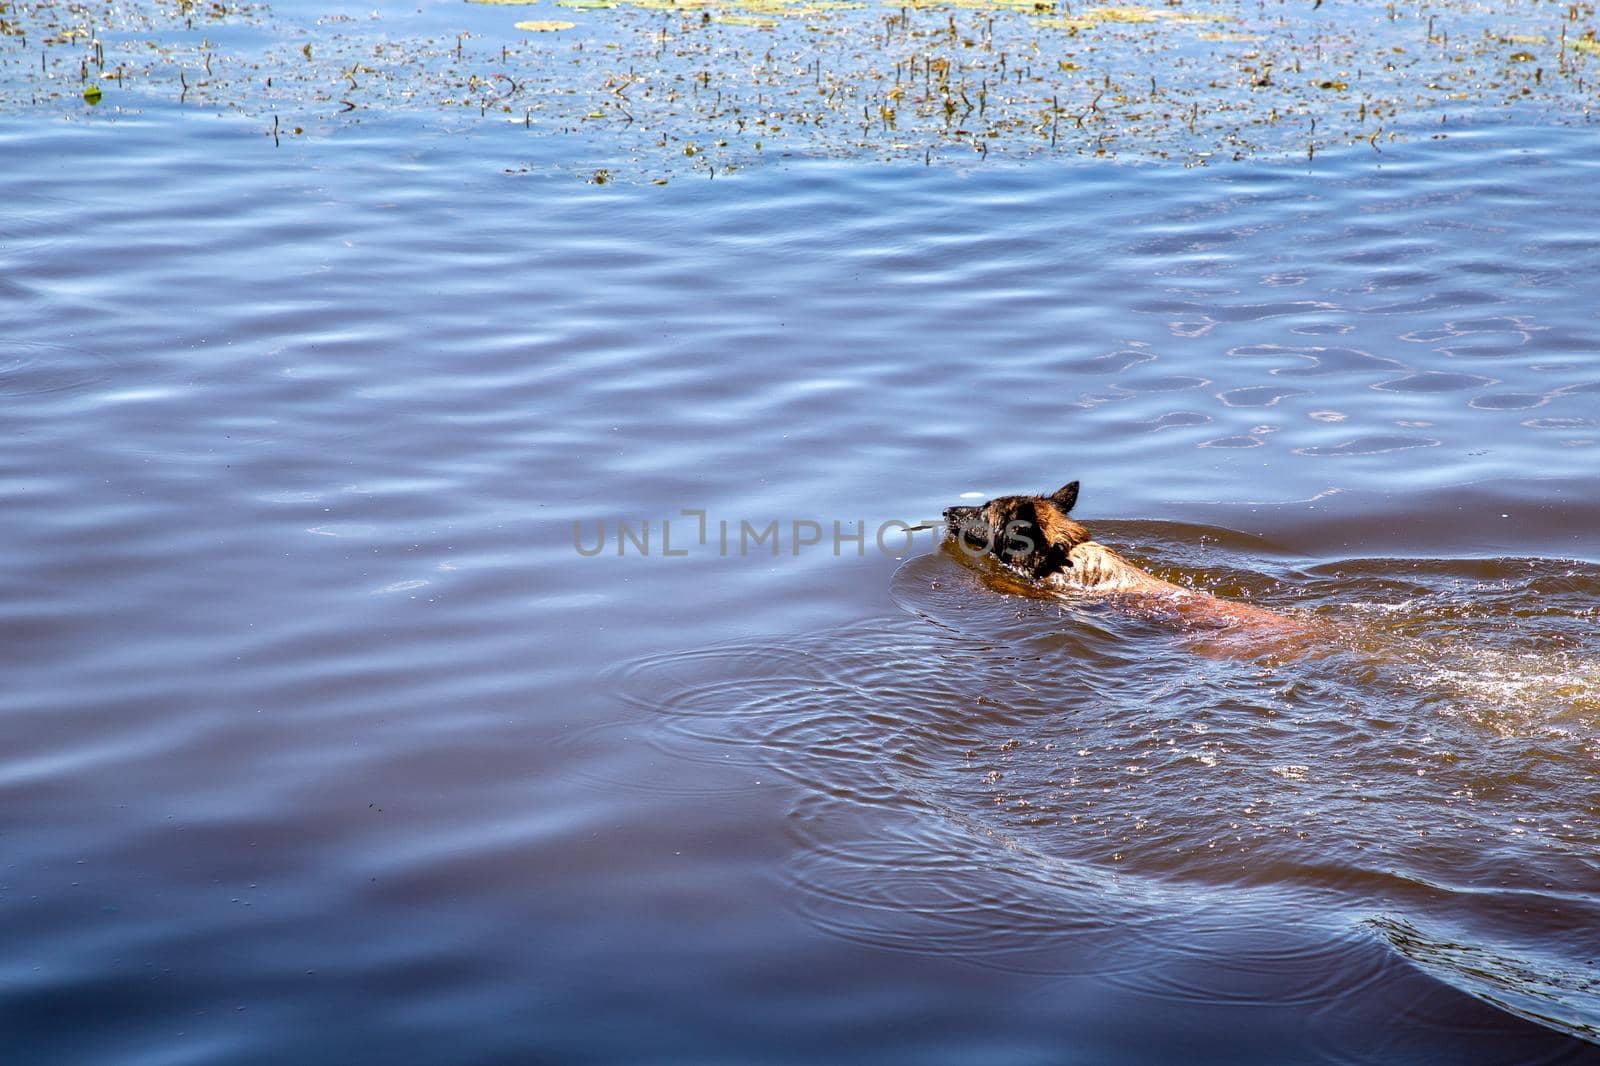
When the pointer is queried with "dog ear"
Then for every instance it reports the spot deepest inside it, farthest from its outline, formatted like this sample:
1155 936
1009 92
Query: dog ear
1065 497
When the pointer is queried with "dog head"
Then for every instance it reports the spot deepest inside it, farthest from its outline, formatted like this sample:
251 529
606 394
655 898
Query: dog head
1031 535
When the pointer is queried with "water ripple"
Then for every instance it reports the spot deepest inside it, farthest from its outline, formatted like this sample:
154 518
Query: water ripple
995 786
32 368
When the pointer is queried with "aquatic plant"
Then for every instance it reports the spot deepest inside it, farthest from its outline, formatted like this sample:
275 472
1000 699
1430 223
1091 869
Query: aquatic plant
633 81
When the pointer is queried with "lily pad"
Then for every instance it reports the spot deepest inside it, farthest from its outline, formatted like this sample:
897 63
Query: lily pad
545 25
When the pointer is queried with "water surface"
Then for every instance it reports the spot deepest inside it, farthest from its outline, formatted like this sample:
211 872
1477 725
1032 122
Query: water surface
323 743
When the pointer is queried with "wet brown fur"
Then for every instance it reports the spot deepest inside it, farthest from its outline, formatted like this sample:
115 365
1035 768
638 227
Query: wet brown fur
1033 537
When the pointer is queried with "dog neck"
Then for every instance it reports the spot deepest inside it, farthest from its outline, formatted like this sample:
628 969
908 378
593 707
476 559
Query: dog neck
1096 568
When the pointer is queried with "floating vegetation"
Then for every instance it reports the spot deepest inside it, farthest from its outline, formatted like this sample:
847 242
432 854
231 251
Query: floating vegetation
637 81
1094 16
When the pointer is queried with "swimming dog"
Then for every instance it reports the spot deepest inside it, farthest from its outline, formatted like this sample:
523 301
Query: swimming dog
1032 538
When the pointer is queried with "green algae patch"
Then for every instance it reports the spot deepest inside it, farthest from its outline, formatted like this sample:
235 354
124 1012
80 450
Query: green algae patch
1127 16
996 6
1120 14
796 8
1028 6
1149 14
728 12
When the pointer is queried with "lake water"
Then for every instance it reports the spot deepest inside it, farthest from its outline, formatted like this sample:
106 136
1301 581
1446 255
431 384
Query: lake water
328 736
